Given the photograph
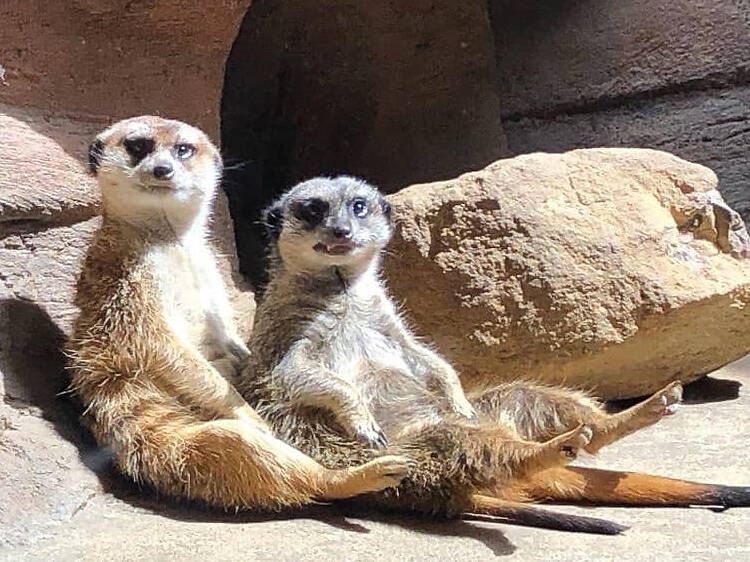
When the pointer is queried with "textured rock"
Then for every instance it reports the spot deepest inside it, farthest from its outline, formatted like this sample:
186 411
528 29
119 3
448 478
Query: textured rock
40 167
116 59
563 56
711 128
666 74
611 269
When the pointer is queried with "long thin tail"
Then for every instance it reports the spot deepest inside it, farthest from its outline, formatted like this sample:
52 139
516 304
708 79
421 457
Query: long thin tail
532 516
609 487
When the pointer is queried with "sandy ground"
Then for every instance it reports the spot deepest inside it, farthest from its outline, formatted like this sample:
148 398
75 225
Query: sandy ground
709 439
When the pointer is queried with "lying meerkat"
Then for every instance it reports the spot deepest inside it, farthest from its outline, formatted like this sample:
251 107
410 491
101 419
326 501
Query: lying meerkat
155 324
336 373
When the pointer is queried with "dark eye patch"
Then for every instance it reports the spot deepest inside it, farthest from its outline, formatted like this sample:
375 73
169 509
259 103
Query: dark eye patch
312 211
138 148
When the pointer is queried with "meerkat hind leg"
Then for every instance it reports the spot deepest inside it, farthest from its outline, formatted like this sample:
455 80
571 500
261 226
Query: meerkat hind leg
373 476
561 449
540 412
644 414
230 464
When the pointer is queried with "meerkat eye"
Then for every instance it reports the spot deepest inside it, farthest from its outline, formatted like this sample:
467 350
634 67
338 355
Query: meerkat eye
360 208
138 148
183 151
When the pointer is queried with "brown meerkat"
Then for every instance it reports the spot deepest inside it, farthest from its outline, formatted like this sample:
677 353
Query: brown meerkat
336 373
155 324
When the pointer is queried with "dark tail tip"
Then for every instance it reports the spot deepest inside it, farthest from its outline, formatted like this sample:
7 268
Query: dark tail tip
593 525
730 496
566 522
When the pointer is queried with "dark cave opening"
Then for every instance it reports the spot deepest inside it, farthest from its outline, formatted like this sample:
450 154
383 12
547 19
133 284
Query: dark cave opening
397 94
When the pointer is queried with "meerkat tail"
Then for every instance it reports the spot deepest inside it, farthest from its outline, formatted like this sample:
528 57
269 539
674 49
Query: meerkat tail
609 487
532 516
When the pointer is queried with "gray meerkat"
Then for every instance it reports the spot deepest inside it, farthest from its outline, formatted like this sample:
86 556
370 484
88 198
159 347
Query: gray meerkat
155 334
338 374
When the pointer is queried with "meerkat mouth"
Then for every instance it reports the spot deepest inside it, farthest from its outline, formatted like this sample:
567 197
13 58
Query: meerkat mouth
337 249
158 187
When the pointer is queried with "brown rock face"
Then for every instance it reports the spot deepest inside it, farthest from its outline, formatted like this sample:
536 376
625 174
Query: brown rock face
612 269
665 74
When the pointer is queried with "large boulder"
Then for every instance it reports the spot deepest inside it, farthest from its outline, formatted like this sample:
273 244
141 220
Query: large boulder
617 270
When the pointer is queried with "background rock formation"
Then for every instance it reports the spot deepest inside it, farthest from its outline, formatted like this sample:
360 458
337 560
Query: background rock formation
667 74
617 270
426 91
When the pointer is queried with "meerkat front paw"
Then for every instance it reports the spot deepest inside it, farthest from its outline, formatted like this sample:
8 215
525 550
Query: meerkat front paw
238 349
386 472
461 406
369 432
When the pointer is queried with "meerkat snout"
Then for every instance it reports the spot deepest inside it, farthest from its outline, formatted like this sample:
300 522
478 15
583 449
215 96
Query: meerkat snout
339 220
163 171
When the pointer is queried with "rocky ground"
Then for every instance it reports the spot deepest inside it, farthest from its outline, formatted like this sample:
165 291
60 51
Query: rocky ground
707 440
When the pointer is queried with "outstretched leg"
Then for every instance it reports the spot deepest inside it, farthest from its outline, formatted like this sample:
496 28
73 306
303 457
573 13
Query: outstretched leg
538 412
487 452
231 464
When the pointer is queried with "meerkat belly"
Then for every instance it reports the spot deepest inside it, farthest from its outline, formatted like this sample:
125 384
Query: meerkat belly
379 369
182 300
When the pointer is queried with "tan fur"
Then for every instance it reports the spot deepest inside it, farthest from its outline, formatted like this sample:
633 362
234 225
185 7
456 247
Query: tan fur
333 365
155 322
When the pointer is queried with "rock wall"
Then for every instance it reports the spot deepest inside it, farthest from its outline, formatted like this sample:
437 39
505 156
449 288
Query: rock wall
67 69
666 74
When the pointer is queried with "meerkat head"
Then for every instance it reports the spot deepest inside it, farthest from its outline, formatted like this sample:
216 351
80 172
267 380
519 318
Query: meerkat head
146 163
329 222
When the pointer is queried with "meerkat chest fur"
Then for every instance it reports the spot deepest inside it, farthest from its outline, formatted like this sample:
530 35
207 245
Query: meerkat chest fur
348 327
177 268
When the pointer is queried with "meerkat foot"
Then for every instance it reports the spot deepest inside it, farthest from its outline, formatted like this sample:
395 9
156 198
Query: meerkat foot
663 403
378 474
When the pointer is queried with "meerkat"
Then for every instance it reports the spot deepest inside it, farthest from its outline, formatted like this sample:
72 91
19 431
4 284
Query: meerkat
338 374
155 338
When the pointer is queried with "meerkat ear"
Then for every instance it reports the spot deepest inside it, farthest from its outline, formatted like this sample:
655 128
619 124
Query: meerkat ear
385 206
272 220
96 151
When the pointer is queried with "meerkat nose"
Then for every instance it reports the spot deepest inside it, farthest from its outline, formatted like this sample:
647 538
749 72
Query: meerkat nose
342 232
163 171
